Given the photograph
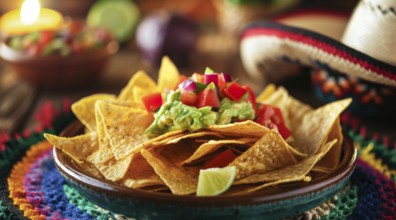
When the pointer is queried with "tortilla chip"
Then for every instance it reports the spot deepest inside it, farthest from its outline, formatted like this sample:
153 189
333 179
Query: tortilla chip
180 180
140 174
168 75
301 168
241 129
194 135
77 147
139 79
113 169
333 156
125 128
105 152
91 169
269 153
316 126
84 109
162 139
266 93
211 147
179 152
321 169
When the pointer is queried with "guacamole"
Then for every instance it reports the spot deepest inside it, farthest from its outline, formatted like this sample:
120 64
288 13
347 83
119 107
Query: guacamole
230 110
174 115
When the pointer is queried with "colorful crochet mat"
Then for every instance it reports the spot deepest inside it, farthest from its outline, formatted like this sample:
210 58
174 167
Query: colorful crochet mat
32 188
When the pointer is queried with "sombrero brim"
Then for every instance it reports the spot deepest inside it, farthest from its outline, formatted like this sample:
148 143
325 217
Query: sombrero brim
266 41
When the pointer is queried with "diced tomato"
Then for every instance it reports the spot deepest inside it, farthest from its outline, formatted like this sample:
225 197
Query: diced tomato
208 97
34 49
266 123
284 131
251 96
234 91
188 98
221 160
152 102
196 77
182 77
46 37
271 118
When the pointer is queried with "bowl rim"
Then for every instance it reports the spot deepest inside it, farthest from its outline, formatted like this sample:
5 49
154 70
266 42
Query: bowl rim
293 190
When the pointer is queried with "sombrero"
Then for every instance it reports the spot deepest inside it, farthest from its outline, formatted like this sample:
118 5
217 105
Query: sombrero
359 64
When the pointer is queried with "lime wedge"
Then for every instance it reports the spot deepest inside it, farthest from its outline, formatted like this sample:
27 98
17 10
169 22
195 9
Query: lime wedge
120 17
215 181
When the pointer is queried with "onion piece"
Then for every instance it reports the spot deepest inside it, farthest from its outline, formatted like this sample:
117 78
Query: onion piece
188 85
226 77
211 78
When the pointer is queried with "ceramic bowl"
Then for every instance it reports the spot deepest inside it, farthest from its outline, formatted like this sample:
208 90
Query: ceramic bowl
271 203
56 71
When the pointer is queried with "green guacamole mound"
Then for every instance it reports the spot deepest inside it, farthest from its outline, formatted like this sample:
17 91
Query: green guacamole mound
174 115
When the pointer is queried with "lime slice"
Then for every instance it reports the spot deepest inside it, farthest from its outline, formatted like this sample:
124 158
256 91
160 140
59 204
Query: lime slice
120 17
215 181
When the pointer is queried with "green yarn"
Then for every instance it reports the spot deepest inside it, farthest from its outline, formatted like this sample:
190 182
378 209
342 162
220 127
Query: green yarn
345 204
83 204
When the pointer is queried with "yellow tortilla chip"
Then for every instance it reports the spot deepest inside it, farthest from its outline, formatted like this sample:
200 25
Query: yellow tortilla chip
241 129
301 168
194 135
105 152
179 152
333 156
77 147
124 127
269 153
211 147
113 169
266 93
84 109
139 79
180 180
140 174
321 169
168 75
316 126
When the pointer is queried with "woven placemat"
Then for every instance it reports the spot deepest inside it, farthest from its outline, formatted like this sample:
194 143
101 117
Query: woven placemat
31 187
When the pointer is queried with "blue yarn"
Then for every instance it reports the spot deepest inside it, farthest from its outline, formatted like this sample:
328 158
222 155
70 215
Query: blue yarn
367 191
52 187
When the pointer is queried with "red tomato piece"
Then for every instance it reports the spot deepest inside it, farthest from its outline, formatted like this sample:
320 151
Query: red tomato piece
152 102
208 97
234 91
188 98
196 77
221 160
284 131
271 118
251 96
46 37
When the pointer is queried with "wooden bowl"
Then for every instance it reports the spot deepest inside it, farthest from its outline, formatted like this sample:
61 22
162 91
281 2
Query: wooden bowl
270 203
56 71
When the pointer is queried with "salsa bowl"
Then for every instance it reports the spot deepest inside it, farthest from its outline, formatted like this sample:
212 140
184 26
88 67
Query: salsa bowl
58 71
277 202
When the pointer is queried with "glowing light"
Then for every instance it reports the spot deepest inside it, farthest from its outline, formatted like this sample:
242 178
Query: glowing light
30 11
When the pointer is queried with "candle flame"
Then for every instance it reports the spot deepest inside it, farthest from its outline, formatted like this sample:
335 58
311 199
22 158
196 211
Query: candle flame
30 11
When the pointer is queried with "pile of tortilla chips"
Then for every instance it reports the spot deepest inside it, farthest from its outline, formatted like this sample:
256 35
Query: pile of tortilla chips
114 146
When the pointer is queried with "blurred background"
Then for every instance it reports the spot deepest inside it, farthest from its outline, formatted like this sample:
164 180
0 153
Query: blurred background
195 34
